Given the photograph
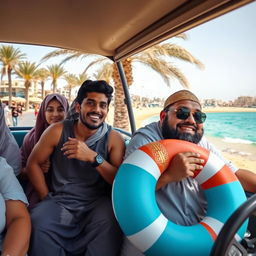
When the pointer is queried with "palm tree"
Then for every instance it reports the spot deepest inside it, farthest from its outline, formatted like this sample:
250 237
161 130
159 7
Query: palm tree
56 71
81 78
26 70
9 58
104 72
41 75
156 57
72 81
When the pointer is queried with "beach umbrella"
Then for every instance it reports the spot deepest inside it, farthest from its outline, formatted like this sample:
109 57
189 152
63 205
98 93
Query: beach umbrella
5 98
35 100
19 99
16 99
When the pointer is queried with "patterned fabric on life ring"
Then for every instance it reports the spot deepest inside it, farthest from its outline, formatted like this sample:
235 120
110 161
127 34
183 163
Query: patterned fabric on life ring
141 220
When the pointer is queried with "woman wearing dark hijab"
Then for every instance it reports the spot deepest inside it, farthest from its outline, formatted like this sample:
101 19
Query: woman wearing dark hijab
9 148
53 109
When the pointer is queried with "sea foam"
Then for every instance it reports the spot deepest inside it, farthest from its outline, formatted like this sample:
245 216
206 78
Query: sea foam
236 140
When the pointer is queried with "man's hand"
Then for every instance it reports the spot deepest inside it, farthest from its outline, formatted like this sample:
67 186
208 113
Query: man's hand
77 149
183 165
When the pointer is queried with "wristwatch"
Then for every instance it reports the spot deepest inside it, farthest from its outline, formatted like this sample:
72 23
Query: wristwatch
98 160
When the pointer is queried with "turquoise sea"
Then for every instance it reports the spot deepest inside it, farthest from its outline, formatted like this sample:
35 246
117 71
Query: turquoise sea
232 127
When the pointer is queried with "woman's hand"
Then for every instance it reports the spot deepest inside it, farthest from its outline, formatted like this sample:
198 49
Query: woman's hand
45 166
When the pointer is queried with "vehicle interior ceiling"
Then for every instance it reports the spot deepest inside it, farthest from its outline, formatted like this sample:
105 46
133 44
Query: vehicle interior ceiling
115 29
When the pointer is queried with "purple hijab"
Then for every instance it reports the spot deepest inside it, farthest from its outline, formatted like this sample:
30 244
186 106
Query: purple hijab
34 135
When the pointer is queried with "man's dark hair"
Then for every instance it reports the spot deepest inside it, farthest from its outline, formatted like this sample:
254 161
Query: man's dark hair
99 86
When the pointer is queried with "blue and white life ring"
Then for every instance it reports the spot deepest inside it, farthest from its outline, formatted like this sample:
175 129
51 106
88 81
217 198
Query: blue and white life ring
141 220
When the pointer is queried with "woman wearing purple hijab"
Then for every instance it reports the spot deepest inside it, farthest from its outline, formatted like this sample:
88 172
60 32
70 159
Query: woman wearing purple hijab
53 109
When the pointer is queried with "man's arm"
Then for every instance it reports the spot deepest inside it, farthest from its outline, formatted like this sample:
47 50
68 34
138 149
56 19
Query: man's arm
116 149
39 155
77 149
137 140
18 225
184 164
247 179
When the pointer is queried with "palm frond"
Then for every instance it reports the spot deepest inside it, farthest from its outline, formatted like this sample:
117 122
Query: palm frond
96 61
183 36
56 71
57 53
10 56
81 78
165 69
26 70
104 73
176 73
177 51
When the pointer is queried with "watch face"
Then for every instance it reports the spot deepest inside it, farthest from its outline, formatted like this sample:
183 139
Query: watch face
99 159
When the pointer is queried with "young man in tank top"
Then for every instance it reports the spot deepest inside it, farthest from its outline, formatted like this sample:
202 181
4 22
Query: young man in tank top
75 216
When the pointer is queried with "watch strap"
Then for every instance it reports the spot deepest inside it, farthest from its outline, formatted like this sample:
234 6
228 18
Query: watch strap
98 160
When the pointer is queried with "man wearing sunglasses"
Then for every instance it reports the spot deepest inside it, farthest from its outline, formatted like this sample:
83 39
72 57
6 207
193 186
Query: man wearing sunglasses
179 196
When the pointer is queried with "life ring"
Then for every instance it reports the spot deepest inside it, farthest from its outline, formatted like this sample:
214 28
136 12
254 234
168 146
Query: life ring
136 210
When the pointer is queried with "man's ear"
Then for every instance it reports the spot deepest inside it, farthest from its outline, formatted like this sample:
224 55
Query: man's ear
162 115
78 107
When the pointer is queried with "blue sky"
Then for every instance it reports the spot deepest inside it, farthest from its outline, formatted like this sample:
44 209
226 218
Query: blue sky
226 46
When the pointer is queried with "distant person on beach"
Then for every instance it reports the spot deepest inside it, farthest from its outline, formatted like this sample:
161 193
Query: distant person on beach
179 196
53 109
20 112
36 109
19 109
7 114
75 215
15 115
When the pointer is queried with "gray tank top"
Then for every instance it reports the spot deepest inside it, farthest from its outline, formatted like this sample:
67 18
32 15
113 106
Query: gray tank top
76 184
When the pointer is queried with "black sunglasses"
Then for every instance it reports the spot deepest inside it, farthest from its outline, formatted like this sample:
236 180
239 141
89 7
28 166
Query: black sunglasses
183 113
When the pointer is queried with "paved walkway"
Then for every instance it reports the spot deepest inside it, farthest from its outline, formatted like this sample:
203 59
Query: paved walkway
27 118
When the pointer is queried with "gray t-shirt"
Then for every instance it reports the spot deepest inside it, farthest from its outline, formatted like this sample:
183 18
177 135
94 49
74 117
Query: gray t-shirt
10 189
9 148
182 202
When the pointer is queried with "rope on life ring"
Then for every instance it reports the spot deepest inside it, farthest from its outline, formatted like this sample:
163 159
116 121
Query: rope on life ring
135 207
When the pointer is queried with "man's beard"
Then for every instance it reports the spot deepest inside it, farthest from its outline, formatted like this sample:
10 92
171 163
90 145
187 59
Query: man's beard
89 126
169 133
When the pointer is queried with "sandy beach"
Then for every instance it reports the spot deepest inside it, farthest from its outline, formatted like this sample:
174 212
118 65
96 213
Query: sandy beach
242 155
